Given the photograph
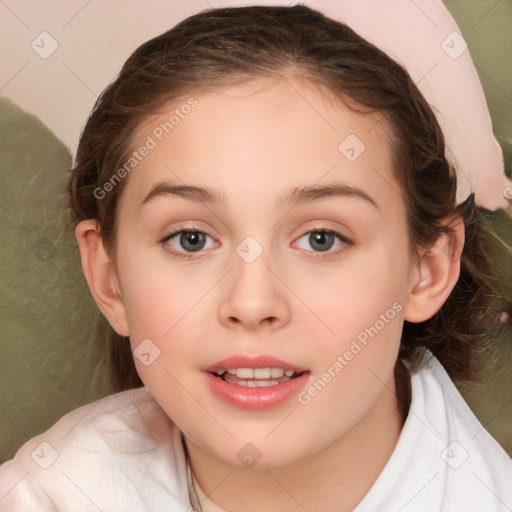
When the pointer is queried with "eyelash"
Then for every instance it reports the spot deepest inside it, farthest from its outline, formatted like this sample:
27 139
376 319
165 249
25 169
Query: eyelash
316 255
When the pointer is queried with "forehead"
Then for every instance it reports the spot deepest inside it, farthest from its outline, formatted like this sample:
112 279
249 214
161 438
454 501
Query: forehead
260 136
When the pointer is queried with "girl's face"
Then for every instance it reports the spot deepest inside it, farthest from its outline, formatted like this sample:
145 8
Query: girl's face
257 280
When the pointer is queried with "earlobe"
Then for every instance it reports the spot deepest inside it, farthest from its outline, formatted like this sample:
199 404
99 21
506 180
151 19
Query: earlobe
100 275
436 274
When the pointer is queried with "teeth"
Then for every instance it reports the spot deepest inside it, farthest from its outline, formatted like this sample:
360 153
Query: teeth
254 383
245 373
262 384
260 373
256 373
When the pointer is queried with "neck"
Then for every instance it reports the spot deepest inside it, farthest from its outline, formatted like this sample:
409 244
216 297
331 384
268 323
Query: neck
336 478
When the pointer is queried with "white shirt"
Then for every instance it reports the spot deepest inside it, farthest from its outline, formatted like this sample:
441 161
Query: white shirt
123 454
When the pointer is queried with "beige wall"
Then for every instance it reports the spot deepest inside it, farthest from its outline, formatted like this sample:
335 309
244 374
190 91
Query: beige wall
95 37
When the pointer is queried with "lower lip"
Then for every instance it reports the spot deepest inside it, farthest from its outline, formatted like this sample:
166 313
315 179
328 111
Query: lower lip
256 398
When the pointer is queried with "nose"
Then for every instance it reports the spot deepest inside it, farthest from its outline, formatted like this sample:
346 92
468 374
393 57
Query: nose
254 297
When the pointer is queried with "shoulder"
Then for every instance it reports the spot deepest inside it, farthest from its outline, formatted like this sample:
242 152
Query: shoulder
101 455
473 469
446 410
101 425
444 458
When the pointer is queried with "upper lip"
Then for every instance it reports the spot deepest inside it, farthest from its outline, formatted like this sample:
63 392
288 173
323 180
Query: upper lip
255 361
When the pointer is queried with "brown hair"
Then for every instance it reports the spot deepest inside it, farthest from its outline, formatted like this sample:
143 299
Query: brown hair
218 47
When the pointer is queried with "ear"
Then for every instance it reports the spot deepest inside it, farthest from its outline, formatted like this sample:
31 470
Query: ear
436 274
100 275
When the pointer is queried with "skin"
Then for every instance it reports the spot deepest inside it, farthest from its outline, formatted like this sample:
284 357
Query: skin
253 142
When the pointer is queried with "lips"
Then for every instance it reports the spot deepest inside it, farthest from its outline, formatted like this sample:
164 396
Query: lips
260 361
239 389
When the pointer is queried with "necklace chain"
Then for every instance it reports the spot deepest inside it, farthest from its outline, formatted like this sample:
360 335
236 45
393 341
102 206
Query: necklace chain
194 499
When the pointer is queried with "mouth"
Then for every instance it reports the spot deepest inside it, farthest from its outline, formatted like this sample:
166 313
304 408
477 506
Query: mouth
256 377
255 382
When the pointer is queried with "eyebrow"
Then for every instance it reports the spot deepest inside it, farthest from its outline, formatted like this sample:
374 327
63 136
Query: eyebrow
293 197
302 195
192 192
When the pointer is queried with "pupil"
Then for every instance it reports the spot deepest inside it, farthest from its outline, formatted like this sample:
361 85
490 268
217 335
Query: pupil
320 237
193 239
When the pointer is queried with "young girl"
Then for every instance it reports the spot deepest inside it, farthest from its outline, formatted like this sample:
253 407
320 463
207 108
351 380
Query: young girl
267 219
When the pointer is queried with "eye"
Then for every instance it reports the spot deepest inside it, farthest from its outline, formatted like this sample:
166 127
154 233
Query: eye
323 240
185 242
191 240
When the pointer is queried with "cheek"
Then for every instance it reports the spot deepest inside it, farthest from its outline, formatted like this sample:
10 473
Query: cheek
345 299
355 364
165 303
359 322
159 293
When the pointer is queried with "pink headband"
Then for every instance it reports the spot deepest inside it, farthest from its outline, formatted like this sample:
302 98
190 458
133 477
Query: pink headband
423 37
